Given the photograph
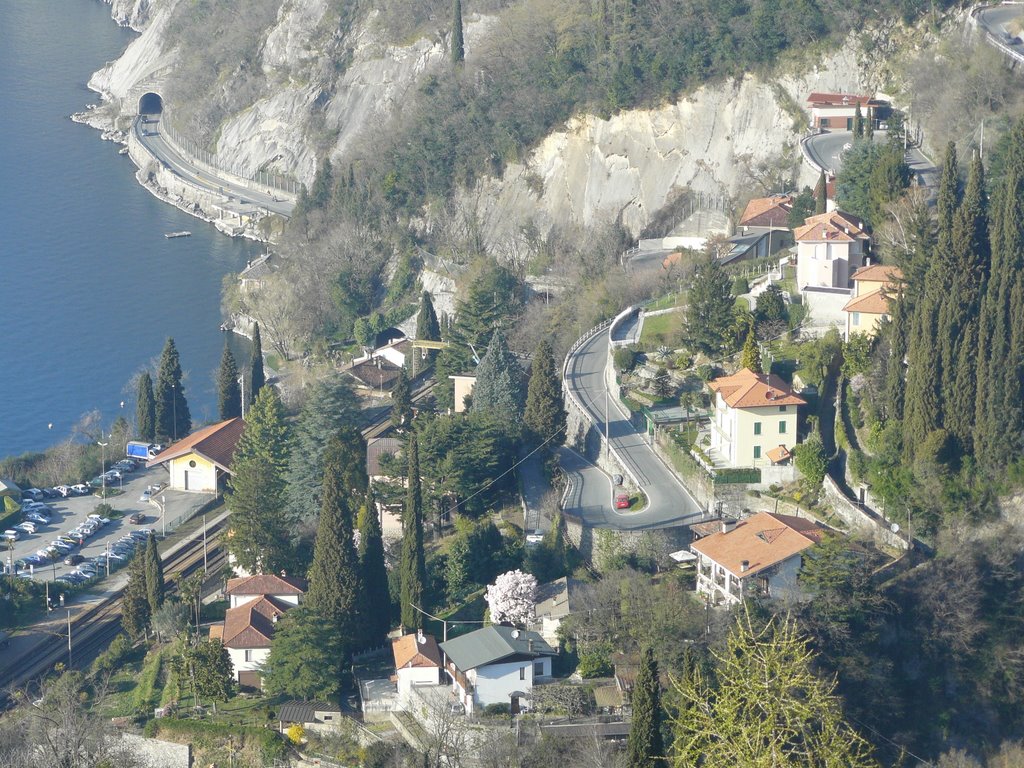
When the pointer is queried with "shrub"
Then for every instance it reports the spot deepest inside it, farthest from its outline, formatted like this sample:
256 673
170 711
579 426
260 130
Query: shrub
295 733
114 656
740 286
496 710
595 662
705 372
811 461
624 359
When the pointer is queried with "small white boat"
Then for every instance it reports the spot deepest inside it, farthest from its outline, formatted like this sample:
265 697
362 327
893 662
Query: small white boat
170 235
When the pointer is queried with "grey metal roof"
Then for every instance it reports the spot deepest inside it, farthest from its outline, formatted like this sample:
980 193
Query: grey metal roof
494 643
304 711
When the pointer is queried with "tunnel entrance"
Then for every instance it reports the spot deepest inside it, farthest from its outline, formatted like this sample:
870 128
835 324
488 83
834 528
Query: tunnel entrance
151 104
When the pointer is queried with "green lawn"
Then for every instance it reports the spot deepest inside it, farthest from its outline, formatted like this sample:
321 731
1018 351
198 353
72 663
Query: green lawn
661 330
667 302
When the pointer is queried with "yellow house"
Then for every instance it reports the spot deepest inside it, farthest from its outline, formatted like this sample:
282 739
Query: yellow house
200 461
464 383
873 287
755 419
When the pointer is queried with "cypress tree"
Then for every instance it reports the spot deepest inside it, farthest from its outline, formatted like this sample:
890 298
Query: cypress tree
499 381
257 376
709 314
544 415
334 575
413 568
645 747
858 123
895 384
229 394
948 199
145 409
135 613
427 329
373 575
821 195
171 412
401 401
154 570
750 357
458 43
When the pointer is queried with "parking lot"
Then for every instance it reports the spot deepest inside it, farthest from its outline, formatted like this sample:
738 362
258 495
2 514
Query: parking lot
68 513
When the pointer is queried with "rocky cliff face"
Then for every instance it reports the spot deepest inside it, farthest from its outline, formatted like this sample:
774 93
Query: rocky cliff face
593 169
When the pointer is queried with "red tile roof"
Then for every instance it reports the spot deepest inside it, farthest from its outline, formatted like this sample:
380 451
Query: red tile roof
818 99
834 225
215 443
409 652
767 211
746 389
779 453
878 273
873 303
266 584
761 541
251 625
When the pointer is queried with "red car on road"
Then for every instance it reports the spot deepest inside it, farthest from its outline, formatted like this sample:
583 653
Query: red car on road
622 501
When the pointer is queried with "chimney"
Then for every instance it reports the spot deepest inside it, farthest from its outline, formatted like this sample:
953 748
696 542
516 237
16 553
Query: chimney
728 524
744 566
529 645
274 619
420 637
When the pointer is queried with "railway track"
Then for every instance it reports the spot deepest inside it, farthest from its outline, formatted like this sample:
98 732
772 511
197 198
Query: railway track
93 629
383 423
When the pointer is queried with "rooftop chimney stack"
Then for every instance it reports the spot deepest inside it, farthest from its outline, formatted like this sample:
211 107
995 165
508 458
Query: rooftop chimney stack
744 566
728 524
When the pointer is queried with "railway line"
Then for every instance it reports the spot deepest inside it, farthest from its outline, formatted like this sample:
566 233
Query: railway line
383 422
93 629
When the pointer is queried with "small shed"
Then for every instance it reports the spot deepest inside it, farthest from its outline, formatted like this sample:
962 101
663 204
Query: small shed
311 715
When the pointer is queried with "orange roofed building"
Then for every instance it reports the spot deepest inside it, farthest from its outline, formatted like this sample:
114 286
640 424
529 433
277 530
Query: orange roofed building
768 212
874 287
836 111
256 603
755 419
830 248
417 662
200 461
757 556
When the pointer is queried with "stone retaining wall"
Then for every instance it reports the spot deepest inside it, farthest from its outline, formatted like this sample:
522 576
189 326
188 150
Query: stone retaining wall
159 754
861 520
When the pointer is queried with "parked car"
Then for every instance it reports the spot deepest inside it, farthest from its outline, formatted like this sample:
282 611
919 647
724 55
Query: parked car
49 493
89 569
136 518
617 479
81 489
100 519
33 493
63 490
36 517
114 555
622 501
11 535
145 495
26 527
73 559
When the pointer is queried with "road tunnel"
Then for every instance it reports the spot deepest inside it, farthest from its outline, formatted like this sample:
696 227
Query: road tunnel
151 104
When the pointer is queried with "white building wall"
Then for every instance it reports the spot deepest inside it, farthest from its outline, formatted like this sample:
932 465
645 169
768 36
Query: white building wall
237 600
494 683
258 657
409 677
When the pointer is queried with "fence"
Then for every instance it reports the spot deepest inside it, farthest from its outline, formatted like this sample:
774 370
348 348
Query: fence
190 149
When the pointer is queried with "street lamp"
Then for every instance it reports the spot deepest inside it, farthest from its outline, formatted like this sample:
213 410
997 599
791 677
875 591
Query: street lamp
103 468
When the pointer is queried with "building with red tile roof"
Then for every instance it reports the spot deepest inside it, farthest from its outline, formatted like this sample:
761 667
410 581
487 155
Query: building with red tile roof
417 662
200 461
768 212
836 111
757 556
874 288
830 248
754 414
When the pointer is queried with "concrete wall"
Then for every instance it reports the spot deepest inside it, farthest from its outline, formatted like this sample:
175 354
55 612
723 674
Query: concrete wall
258 655
193 473
861 520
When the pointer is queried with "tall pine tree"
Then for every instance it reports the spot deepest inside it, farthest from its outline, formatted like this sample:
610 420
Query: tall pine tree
153 567
229 394
334 588
645 747
458 43
373 575
173 419
499 382
145 409
401 401
544 415
427 329
257 376
821 195
135 613
413 566
259 531
709 314
750 357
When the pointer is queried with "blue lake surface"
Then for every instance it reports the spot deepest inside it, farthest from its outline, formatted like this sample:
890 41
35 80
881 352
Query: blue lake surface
91 288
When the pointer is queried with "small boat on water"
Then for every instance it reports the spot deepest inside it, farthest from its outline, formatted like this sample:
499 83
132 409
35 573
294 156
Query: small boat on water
170 235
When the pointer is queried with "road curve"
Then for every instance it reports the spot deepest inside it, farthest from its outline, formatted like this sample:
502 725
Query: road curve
994 21
151 137
590 498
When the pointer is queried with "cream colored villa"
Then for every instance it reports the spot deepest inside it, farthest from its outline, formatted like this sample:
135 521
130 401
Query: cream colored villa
873 288
754 421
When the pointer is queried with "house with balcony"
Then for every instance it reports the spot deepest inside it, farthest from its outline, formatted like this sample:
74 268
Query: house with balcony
754 422
874 288
759 556
255 603
830 248
497 665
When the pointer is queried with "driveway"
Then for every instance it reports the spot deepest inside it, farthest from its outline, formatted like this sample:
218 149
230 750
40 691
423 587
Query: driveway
669 503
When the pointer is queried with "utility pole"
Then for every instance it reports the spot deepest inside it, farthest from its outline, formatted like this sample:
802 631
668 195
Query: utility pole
69 638
241 383
205 567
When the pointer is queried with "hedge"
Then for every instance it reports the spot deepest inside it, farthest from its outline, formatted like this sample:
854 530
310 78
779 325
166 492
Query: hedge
737 475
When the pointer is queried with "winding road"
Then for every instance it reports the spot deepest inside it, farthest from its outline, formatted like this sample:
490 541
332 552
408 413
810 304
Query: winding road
826 151
237 198
995 20
590 496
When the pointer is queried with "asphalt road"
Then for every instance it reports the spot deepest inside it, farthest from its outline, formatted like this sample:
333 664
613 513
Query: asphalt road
70 512
669 503
149 136
994 20
826 149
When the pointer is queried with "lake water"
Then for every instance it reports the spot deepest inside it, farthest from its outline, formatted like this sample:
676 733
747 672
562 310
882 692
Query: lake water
89 286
